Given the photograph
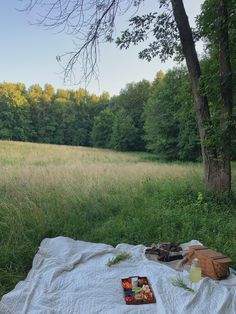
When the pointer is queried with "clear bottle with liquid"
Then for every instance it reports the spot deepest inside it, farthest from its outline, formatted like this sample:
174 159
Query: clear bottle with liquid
195 273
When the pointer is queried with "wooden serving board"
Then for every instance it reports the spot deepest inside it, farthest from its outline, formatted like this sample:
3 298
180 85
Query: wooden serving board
140 293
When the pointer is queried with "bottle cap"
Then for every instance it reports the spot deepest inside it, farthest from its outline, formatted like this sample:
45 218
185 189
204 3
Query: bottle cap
195 261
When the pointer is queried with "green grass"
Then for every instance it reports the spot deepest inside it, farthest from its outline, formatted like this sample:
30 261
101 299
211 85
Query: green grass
102 196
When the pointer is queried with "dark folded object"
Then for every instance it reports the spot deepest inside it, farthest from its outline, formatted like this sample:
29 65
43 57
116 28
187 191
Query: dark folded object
168 246
165 252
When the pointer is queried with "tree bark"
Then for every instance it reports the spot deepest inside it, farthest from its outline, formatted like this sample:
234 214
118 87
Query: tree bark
217 173
226 88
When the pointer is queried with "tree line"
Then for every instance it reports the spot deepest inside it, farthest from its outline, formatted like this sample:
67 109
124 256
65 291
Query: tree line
48 116
166 33
153 116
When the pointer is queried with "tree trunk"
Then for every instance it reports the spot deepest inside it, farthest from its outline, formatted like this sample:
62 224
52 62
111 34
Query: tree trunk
217 173
226 87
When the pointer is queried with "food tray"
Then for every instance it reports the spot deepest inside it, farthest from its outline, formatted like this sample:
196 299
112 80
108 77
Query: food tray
137 290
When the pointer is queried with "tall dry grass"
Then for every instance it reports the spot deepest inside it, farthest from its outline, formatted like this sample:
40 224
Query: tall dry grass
34 166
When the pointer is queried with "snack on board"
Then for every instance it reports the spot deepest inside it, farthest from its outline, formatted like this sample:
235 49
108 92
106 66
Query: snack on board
137 290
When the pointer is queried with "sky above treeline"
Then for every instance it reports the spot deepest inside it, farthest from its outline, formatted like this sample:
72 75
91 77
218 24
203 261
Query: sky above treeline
28 53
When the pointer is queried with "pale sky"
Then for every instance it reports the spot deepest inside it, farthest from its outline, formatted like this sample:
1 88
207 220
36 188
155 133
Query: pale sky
28 53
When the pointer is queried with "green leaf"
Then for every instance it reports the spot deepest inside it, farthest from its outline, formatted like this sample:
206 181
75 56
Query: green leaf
177 282
121 257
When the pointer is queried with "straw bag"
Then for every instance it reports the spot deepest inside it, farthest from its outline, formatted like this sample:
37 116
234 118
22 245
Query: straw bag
213 264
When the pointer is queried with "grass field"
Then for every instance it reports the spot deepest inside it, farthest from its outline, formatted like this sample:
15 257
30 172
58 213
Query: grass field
102 196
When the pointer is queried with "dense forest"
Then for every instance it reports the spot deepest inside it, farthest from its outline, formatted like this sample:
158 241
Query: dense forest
153 116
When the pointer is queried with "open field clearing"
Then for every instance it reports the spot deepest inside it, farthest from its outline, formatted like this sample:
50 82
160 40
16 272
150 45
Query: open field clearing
102 196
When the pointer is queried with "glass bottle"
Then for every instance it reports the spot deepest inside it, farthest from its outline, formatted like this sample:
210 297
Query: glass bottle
195 272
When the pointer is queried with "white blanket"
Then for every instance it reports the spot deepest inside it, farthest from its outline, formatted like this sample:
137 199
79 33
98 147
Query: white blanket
71 277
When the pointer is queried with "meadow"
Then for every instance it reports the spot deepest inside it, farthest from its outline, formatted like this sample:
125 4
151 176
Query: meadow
102 196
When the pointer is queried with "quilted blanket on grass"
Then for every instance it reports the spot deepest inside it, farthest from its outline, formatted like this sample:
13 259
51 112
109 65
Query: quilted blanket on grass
71 277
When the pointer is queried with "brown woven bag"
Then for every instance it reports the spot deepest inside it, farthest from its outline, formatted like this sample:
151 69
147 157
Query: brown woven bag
213 264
